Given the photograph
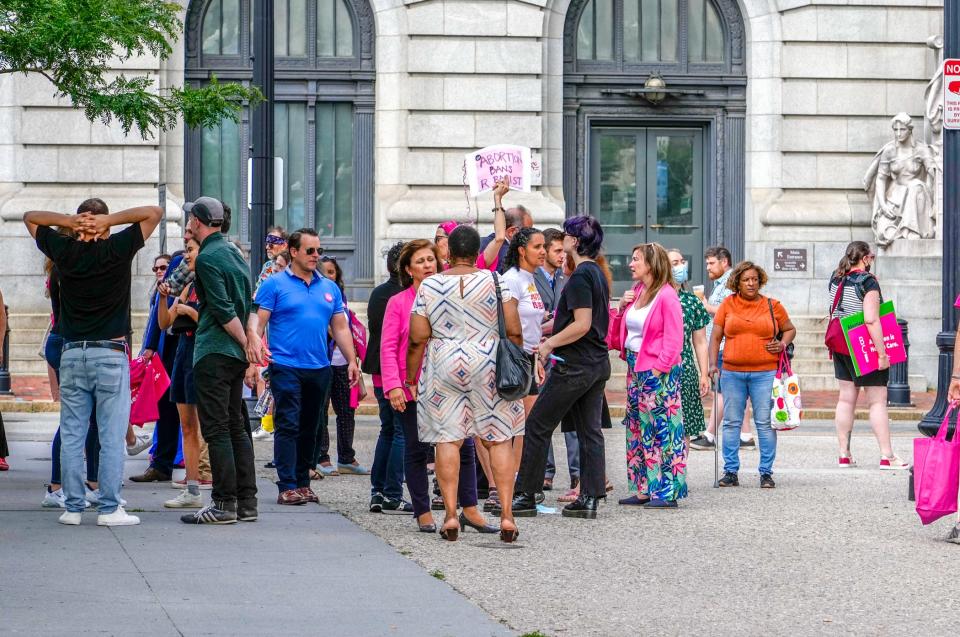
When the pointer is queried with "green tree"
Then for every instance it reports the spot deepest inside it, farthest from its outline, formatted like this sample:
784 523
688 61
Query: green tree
73 42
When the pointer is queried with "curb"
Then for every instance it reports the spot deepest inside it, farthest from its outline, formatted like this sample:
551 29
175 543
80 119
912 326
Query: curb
616 411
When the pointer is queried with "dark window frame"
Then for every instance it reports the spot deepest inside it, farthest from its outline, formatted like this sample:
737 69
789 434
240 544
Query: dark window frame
306 80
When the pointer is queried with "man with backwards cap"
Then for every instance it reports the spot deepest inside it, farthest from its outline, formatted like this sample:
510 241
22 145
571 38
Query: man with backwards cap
219 364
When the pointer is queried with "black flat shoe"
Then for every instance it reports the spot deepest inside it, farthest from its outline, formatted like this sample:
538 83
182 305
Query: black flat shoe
428 528
661 504
450 535
584 507
480 528
633 501
524 506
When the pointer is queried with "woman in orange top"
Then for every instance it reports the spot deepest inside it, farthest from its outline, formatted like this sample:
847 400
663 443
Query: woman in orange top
757 329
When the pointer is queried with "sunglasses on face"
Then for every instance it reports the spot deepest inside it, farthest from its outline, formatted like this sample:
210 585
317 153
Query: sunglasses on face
312 251
159 268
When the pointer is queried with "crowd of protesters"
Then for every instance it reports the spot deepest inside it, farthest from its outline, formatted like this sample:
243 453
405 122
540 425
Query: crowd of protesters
431 346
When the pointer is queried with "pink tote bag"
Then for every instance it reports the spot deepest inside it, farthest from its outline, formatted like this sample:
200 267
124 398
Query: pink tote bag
936 472
148 382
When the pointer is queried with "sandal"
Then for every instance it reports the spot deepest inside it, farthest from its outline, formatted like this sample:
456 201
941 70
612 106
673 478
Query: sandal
570 496
315 475
492 503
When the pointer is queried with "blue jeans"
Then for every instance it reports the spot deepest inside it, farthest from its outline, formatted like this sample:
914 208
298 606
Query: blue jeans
93 377
386 474
736 387
52 352
298 396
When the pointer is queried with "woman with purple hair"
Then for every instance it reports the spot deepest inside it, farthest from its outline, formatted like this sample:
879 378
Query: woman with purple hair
573 391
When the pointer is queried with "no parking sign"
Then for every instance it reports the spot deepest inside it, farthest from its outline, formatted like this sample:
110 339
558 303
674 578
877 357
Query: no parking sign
951 94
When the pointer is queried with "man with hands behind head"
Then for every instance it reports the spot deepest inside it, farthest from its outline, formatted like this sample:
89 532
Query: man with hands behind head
94 320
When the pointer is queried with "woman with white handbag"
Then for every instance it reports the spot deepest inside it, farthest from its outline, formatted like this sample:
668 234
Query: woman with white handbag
757 329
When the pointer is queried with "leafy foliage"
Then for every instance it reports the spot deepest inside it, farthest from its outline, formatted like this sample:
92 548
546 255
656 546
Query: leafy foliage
75 44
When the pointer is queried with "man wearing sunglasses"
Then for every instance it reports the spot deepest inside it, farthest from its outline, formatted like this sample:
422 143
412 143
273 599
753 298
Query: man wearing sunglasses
299 305
275 242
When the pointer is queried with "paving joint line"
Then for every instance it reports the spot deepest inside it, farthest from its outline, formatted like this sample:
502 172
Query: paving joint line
147 582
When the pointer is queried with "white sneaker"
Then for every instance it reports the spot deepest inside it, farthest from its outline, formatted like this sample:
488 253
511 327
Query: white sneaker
57 500
54 500
261 434
143 442
117 518
70 518
93 498
185 501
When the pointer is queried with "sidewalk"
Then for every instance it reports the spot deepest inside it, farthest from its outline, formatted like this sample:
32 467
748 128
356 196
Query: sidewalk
298 570
32 394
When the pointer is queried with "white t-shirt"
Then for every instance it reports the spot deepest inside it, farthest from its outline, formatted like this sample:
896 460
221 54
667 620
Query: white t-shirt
530 305
636 317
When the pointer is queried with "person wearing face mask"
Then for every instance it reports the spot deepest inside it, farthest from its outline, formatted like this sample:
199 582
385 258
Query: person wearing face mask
650 321
694 382
854 289
757 330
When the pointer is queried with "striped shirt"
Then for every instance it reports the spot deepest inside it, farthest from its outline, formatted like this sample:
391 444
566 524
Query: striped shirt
855 287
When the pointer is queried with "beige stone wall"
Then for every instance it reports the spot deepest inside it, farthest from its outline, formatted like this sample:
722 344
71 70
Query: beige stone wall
453 76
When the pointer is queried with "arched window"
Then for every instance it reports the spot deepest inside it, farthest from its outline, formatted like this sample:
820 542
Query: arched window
323 117
623 34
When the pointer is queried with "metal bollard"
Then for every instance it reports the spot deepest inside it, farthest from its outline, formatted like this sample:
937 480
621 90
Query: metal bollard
5 366
898 386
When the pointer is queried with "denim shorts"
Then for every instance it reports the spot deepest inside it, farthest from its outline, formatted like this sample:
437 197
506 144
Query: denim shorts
182 388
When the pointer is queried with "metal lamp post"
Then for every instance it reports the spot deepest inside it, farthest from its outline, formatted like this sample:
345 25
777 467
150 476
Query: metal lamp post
951 236
261 204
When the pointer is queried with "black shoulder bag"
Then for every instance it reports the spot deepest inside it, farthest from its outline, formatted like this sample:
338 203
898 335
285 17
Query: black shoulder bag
514 367
777 332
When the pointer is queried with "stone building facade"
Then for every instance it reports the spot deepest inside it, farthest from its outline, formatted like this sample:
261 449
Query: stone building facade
771 113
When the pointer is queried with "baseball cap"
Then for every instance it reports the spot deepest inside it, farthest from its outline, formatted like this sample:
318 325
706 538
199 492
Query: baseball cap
207 209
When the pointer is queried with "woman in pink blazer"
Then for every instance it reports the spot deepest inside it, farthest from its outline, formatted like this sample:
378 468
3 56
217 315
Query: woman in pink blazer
650 323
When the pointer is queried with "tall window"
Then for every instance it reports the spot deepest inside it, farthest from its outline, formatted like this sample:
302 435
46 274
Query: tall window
649 33
323 118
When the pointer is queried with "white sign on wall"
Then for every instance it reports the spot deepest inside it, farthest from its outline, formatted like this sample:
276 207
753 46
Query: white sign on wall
951 94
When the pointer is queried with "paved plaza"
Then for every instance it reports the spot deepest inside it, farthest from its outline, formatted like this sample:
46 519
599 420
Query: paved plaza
829 552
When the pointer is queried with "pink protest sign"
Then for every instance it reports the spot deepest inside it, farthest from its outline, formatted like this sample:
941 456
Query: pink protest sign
862 351
491 164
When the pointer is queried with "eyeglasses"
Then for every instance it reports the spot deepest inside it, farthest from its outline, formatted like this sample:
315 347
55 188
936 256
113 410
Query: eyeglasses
159 268
437 238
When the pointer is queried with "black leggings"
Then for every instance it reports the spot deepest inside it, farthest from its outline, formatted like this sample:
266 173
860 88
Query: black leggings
340 397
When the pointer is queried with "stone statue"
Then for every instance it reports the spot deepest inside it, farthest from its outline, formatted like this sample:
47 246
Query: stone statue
933 100
901 185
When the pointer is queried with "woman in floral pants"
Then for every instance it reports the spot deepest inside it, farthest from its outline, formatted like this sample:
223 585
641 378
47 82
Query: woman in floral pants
651 322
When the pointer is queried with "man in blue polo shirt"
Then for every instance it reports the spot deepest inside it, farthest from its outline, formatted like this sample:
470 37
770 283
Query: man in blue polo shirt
299 305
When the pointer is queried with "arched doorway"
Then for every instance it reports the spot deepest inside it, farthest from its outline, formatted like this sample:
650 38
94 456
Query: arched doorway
653 164
323 120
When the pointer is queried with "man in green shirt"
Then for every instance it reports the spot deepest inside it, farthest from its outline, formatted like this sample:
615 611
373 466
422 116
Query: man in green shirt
219 364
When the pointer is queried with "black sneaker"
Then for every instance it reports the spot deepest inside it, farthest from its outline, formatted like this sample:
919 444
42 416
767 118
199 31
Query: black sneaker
729 480
524 506
954 536
766 481
583 507
247 511
702 443
210 514
376 503
748 444
396 507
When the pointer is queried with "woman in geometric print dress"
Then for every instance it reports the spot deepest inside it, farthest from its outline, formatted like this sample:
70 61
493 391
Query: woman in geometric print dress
455 320
694 382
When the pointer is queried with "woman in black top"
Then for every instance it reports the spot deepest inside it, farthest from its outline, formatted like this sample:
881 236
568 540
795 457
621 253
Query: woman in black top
860 292
581 367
